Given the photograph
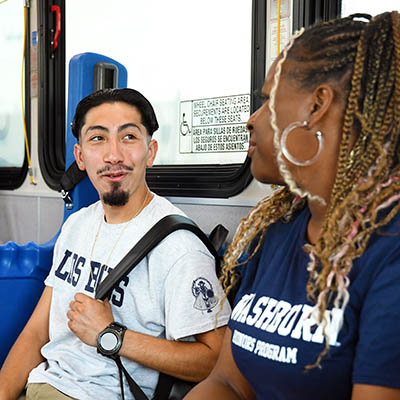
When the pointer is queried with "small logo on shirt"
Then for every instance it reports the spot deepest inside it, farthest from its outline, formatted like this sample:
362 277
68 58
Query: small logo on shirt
203 292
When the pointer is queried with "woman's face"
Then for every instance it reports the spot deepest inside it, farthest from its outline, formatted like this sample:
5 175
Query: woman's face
293 104
290 106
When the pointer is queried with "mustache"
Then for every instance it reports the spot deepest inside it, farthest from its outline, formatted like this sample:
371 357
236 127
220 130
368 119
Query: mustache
114 169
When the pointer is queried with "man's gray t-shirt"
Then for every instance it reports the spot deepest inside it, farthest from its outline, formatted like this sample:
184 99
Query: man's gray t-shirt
173 293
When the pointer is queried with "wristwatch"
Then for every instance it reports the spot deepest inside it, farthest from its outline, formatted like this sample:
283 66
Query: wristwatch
109 341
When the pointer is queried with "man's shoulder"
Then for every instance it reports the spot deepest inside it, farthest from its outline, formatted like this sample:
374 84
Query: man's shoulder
161 207
182 243
82 215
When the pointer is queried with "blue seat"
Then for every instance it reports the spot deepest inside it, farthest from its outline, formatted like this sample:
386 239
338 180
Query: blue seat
22 272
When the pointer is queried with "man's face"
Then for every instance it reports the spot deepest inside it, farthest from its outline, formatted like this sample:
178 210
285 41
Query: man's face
115 150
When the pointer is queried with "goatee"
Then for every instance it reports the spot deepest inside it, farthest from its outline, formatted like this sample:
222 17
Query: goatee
116 197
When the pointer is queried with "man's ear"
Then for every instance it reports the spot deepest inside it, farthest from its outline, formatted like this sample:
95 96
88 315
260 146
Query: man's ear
78 157
322 99
152 152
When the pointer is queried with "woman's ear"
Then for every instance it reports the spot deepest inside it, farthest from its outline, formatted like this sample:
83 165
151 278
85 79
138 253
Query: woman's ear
322 99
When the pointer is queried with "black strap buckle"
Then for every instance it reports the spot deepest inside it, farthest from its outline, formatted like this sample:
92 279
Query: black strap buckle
67 199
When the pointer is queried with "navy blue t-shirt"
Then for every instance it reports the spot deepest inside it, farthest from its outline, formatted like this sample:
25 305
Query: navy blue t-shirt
274 335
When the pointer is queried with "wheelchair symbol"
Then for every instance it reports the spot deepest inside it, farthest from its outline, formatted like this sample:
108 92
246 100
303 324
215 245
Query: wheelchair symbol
184 127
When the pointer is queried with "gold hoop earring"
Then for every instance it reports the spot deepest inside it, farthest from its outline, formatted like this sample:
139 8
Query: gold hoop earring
286 152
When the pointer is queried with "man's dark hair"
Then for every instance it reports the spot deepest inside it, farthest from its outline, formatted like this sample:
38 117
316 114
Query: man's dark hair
126 95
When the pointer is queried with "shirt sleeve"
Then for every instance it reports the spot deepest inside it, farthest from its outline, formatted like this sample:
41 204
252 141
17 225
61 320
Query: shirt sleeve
193 297
49 281
377 358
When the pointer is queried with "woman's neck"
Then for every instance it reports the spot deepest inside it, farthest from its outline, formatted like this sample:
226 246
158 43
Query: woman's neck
317 220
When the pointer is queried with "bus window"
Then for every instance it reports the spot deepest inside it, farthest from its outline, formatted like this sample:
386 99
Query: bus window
191 59
12 147
195 62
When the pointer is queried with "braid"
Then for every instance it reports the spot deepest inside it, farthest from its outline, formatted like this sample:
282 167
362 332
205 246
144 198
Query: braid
362 60
368 178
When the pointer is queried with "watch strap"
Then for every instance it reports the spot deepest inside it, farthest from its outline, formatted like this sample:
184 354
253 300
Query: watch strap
118 327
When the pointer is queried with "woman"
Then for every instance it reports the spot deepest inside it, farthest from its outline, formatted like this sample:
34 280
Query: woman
317 313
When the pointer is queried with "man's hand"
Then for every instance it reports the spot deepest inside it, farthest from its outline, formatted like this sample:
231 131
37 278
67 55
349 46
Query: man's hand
88 317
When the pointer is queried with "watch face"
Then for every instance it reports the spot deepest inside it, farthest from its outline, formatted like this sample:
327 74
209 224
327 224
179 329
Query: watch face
109 341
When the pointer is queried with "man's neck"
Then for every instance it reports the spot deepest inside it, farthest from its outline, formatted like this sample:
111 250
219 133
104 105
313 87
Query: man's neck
135 205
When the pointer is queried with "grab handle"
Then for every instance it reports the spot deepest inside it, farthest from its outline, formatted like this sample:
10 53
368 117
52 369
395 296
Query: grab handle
57 10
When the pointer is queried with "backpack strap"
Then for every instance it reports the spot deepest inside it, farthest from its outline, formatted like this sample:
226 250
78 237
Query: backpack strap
217 238
147 243
137 392
151 239
71 177
164 386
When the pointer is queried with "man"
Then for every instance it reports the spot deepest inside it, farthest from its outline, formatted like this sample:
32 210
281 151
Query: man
168 328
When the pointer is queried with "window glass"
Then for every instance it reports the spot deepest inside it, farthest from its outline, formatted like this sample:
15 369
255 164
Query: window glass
11 44
368 7
191 59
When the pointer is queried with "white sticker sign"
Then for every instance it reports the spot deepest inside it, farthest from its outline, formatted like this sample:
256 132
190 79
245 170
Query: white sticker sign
284 31
214 125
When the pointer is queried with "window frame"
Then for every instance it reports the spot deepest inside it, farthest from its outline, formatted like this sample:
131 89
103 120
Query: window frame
212 180
189 180
51 95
